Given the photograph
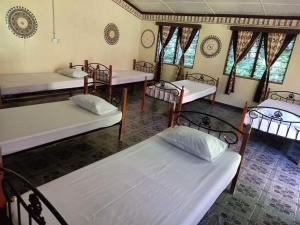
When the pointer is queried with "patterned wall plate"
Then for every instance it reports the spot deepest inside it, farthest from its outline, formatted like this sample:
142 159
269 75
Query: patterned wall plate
147 38
21 22
211 46
111 34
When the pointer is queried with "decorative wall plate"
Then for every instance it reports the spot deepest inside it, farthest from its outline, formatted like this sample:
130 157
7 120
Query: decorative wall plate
211 46
147 38
21 22
111 34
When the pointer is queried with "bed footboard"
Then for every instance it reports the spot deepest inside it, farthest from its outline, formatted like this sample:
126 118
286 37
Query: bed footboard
163 91
214 126
143 66
206 79
274 121
285 96
101 74
30 209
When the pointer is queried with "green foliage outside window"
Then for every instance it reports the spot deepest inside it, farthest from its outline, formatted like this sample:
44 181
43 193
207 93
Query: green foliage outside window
172 54
250 67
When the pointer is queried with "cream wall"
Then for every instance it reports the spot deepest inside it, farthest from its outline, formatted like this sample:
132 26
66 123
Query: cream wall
79 25
245 88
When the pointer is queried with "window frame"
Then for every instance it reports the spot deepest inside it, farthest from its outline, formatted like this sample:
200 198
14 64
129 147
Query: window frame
254 65
175 54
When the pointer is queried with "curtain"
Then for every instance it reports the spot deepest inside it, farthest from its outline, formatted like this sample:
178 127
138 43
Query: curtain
186 35
274 45
242 43
165 35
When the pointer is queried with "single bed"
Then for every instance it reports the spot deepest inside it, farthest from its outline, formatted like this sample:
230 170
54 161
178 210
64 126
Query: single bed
106 75
278 115
152 182
30 126
194 87
29 85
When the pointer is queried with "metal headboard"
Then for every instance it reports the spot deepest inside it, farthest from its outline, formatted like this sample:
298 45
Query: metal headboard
33 206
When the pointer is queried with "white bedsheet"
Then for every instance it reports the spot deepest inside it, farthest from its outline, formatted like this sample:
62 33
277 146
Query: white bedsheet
33 82
29 126
129 76
150 183
284 129
193 90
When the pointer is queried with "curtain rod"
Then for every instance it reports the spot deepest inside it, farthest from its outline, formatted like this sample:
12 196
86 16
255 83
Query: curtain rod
266 29
178 24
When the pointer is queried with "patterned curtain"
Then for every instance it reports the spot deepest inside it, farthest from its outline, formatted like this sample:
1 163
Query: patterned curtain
186 36
242 43
274 45
165 35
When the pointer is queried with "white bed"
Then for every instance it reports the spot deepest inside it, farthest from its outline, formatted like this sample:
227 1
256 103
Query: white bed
152 182
11 84
284 129
193 90
29 126
129 76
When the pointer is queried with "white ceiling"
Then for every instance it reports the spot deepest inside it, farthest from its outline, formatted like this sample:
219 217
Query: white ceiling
245 7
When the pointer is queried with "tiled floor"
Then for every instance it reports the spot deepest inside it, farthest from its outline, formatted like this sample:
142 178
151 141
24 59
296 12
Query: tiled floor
268 191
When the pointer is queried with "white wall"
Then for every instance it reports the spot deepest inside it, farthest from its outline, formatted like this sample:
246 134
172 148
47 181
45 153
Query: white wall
80 25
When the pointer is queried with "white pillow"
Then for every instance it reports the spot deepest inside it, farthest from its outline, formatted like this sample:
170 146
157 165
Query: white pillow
195 142
93 104
71 72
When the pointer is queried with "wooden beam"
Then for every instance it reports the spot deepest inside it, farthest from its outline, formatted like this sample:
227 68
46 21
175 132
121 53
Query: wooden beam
266 29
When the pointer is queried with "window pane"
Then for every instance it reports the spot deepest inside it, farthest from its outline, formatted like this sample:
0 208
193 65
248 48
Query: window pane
189 55
170 49
229 63
261 63
278 69
245 66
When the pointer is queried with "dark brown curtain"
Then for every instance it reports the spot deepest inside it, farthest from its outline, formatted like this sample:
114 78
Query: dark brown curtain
274 45
186 36
165 35
242 42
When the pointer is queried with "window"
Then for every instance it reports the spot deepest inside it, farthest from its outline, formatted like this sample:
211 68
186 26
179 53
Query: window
253 65
173 51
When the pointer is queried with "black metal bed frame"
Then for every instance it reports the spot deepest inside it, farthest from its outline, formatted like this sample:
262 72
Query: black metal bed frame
203 78
34 207
144 66
256 114
99 73
286 96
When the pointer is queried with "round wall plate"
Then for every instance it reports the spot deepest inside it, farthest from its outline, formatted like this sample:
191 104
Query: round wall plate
111 34
147 38
21 22
211 46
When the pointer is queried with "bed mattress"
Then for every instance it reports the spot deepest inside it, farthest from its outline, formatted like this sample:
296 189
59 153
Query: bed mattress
129 76
11 84
275 127
152 182
29 126
192 90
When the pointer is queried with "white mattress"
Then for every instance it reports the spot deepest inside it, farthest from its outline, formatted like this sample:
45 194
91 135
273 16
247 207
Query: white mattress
129 76
193 90
29 126
152 182
33 82
284 129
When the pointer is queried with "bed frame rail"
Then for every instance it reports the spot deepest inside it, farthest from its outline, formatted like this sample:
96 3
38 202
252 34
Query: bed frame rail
164 91
214 126
285 96
33 206
257 115
143 66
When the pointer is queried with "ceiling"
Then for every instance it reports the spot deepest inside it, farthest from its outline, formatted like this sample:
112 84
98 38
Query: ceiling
241 7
